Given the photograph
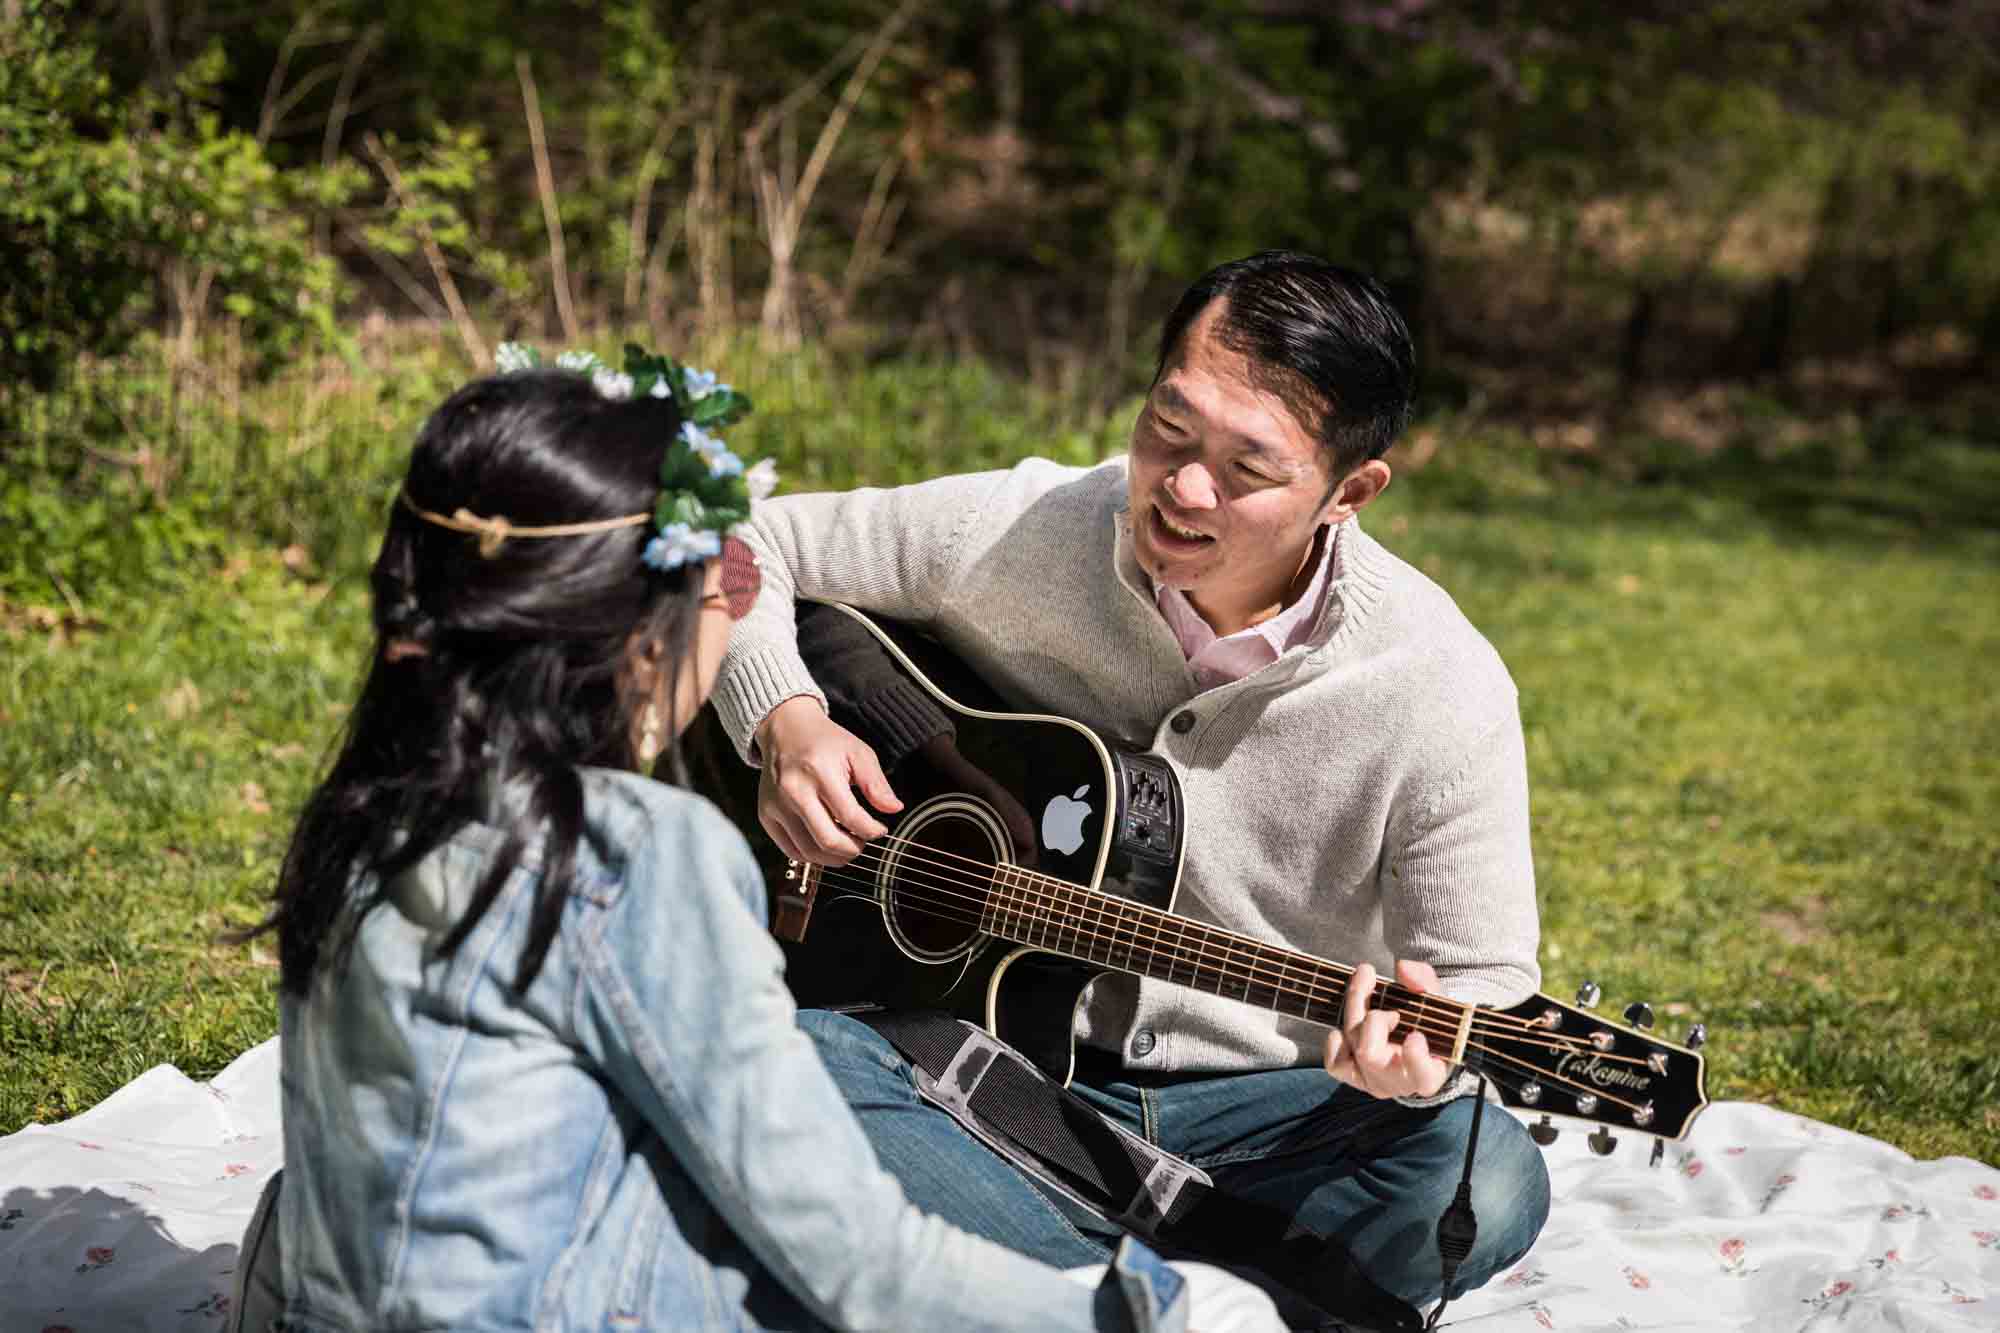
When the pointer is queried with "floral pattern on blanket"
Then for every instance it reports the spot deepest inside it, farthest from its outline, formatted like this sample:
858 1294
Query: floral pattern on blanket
1817 1227
128 1217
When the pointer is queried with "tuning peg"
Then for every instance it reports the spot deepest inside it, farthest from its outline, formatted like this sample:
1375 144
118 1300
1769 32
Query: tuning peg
1639 1014
1601 1142
1659 1151
1697 1037
1588 994
1543 1132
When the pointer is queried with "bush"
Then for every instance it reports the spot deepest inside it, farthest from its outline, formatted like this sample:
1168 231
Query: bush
111 199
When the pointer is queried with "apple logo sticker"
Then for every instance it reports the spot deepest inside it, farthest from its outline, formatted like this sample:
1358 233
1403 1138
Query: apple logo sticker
1062 821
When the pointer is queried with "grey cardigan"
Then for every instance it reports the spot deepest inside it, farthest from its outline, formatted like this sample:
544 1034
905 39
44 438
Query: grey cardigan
1363 798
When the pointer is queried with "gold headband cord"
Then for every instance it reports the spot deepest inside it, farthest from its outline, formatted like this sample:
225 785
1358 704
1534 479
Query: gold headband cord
493 533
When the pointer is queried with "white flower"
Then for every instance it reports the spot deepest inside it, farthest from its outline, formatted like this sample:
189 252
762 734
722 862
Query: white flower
510 357
677 544
660 389
762 478
612 383
585 362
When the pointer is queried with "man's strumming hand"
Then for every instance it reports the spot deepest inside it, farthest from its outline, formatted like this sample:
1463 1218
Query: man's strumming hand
805 793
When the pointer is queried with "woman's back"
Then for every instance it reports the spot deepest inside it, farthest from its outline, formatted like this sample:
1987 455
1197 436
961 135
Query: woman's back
460 1157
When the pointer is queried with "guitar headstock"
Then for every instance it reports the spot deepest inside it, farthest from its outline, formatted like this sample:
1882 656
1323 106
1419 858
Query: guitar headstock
1562 1060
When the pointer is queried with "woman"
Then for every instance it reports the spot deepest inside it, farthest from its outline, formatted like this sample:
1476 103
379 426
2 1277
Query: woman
540 1068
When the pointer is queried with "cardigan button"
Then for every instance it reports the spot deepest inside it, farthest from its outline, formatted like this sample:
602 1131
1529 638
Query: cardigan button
1143 1042
1183 722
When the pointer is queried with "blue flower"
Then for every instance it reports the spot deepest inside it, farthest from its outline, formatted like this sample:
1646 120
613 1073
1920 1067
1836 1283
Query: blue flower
724 464
677 544
699 440
699 383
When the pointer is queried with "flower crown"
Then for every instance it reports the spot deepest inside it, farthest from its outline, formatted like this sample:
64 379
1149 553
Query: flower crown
705 491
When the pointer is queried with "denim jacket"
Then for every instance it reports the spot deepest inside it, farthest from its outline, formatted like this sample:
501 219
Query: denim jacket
641 1140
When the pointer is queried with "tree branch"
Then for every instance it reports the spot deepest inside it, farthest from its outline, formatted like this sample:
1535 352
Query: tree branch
468 332
545 186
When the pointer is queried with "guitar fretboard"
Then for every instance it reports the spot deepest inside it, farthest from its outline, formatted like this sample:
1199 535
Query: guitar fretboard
1068 919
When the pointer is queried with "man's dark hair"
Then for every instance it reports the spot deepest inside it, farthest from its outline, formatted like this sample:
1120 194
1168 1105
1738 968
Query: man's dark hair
1325 339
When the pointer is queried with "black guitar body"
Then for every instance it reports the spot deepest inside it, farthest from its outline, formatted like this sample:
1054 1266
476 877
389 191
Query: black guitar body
1042 793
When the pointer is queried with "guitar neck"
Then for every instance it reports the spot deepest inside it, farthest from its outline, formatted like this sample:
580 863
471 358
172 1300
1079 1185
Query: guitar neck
1063 918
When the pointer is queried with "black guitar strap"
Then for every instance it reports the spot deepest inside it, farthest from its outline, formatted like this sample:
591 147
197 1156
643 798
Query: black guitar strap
1062 1142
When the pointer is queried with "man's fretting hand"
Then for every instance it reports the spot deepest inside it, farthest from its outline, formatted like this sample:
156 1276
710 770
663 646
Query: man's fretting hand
805 793
1359 1052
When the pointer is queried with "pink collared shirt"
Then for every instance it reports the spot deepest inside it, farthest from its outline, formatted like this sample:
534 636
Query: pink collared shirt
1218 661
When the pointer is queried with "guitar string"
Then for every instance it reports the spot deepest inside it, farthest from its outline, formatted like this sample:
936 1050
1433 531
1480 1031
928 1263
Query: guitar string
984 891
1422 1015
1258 950
1124 909
1447 1028
1498 1055
985 888
966 914
1014 898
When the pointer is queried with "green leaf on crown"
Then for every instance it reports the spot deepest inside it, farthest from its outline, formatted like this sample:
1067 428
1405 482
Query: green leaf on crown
646 367
684 469
718 409
724 493
683 508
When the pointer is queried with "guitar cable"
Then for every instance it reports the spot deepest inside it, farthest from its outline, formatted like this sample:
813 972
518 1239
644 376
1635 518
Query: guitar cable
1457 1228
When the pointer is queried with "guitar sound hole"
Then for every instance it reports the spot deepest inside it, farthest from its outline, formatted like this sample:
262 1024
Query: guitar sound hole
934 881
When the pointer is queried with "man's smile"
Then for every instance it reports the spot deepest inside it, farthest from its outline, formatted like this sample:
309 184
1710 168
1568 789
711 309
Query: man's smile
1174 534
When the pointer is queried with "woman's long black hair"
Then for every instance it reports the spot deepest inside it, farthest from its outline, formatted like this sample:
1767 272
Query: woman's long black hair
492 671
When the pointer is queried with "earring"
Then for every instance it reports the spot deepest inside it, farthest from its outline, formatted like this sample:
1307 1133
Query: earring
652 737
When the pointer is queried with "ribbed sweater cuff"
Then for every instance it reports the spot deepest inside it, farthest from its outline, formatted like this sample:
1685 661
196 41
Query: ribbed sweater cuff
758 682
1460 1082
898 718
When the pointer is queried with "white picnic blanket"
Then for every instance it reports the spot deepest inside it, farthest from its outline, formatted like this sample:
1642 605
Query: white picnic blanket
128 1216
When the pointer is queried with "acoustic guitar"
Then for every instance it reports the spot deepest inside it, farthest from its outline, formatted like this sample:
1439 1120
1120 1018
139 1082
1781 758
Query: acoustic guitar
1034 854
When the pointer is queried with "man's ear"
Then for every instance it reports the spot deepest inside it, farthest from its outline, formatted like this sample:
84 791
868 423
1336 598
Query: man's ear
1356 491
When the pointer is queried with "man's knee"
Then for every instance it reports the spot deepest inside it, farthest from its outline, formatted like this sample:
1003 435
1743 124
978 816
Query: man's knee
1510 1191
1510 1186
1416 1179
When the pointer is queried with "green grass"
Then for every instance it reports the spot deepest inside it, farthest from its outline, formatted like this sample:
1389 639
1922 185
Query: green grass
1765 760
1763 740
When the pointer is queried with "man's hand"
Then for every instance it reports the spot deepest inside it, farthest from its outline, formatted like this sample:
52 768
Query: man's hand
805 794
1359 1052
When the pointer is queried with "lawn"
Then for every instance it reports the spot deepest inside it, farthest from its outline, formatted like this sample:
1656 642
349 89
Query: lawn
1762 733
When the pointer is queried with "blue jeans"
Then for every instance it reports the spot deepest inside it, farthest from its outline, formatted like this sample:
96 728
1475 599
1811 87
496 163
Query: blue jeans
1362 1178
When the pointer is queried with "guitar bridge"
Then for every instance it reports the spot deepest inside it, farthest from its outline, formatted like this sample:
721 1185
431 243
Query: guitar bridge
792 905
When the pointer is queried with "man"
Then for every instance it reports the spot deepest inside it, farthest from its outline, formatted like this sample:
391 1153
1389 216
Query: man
1349 747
